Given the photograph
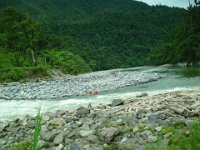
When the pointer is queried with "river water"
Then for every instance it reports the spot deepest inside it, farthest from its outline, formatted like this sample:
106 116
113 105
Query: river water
172 82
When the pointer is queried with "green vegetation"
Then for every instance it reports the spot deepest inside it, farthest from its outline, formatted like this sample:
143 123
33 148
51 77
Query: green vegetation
36 136
26 52
103 34
179 139
184 44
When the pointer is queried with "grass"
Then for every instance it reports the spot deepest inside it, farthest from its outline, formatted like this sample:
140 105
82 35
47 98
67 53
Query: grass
34 144
179 141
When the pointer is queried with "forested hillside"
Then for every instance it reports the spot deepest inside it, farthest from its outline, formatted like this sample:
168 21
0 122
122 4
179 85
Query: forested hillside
104 34
184 45
27 52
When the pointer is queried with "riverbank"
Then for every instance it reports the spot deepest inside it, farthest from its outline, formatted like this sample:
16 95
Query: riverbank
84 84
131 123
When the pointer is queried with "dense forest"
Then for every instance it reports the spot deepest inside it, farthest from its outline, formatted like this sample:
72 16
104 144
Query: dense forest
184 45
78 37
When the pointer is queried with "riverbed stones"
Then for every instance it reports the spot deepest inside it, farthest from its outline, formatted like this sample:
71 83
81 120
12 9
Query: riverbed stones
117 102
49 136
107 134
58 139
86 133
2 96
110 125
74 146
78 85
82 111
57 122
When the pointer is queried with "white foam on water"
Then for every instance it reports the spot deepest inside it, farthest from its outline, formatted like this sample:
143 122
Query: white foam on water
17 109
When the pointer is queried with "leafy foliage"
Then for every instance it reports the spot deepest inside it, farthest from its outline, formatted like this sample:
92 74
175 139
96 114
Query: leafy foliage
184 45
23 47
106 34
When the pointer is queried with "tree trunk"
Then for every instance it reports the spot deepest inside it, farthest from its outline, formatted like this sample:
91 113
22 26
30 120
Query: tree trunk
33 57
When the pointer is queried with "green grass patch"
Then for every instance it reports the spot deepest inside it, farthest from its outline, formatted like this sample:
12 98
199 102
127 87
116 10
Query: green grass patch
178 140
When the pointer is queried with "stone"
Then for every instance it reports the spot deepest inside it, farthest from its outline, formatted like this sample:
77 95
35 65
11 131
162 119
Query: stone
60 147
58 139
117 102
45 118
189 123
42 144
154 116
152 139
82 111
68 141
142 95
84 133
74 146
57 122
92 139
49 136
146 134
135 129
2 96
158 129
107 134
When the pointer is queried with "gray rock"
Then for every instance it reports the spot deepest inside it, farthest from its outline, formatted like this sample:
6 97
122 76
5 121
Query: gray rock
74 146
59 122
189 123
152 139
158 129
59 147
117 102
146 134
49 136
58 139
42 144
142 95
107 134
92 139
2 96
82 111
84 133
135 129
154 116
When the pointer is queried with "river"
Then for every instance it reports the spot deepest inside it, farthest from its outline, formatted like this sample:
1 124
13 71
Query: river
172 82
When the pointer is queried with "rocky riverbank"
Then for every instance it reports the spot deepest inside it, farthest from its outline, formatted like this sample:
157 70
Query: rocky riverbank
131 123
77 85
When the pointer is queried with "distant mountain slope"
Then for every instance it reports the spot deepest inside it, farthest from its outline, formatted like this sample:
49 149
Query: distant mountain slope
106 33
71 9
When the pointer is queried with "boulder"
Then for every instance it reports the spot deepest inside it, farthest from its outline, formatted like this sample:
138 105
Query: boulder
152 139
84 133
82 111
57 122
108 134
58 139
2 96
117 102
49 136
154 116
74 146
92 139
142 95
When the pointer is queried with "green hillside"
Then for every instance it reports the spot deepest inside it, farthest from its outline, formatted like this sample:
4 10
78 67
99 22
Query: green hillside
105 34
184 45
